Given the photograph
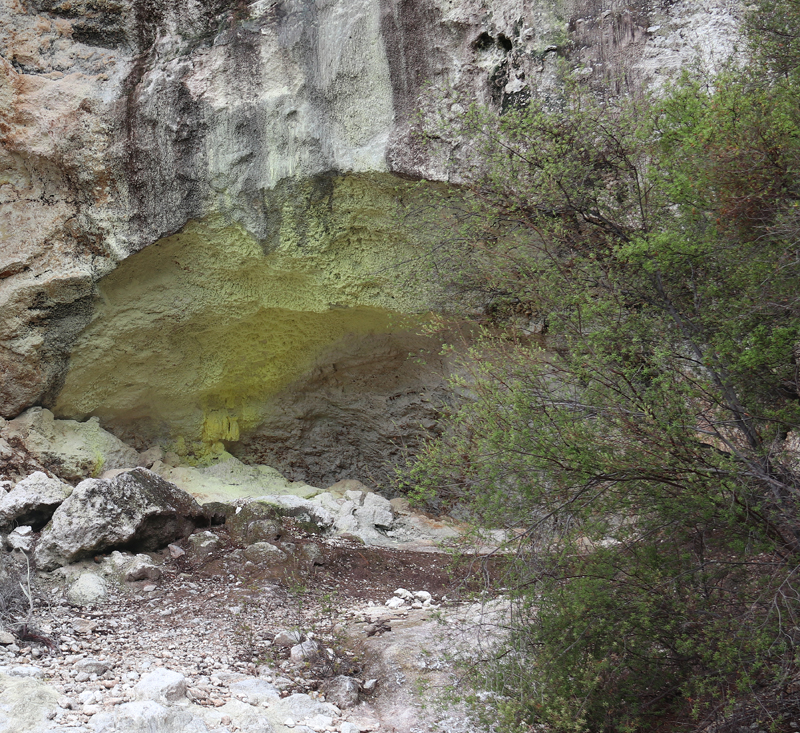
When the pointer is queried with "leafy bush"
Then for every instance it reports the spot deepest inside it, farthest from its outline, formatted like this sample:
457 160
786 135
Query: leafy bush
631 398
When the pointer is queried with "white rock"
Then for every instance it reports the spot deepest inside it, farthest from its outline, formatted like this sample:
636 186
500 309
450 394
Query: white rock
376 511
284 639
406 595
147 716
26 704
423 596
142 568
32 501
21 538
22 670
264 553
88 589
341 691
307 651
161 685
175 552
395 602
256 691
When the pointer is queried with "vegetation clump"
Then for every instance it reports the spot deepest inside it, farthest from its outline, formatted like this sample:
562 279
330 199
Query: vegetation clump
633 400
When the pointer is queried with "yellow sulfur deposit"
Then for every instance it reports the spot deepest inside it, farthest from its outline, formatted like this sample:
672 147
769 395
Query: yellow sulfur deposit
192 335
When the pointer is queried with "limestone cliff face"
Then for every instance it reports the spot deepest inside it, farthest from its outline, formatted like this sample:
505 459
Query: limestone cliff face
197 200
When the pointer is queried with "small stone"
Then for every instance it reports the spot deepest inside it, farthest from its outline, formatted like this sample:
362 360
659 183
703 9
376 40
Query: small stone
175 552
369 685
406 595
289 723
6 638
83 625
21 538
395 602
91 666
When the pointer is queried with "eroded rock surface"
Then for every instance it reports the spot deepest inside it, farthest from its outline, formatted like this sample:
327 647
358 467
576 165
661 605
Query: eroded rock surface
204 209
137 509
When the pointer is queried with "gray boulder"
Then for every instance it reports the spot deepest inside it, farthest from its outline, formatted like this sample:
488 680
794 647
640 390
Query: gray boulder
303 510
257 691
364 514
342 691
137 510
32 501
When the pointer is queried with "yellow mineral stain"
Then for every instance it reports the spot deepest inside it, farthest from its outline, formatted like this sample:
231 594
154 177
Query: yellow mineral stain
195 333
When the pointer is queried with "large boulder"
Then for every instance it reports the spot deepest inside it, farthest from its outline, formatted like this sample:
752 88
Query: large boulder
73 450
26 705
137 510
32 501
364 514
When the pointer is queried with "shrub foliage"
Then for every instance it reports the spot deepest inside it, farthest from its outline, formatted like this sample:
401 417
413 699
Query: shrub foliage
632 401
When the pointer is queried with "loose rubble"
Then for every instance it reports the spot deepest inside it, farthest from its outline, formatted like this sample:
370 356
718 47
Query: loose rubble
266 613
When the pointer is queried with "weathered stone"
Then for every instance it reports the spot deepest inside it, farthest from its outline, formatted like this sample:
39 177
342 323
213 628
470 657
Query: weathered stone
307 651
6 638
91 666
263 553
87 590
218 512
303 510
175 552
375 510
20 538
150 456
145 716
257 691
286 639
161 685
75 450
261 513
342 691
26 705
137 509
202 545
312 553
32 501
142 568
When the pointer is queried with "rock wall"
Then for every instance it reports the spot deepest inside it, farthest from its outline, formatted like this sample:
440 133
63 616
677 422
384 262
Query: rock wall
197 229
